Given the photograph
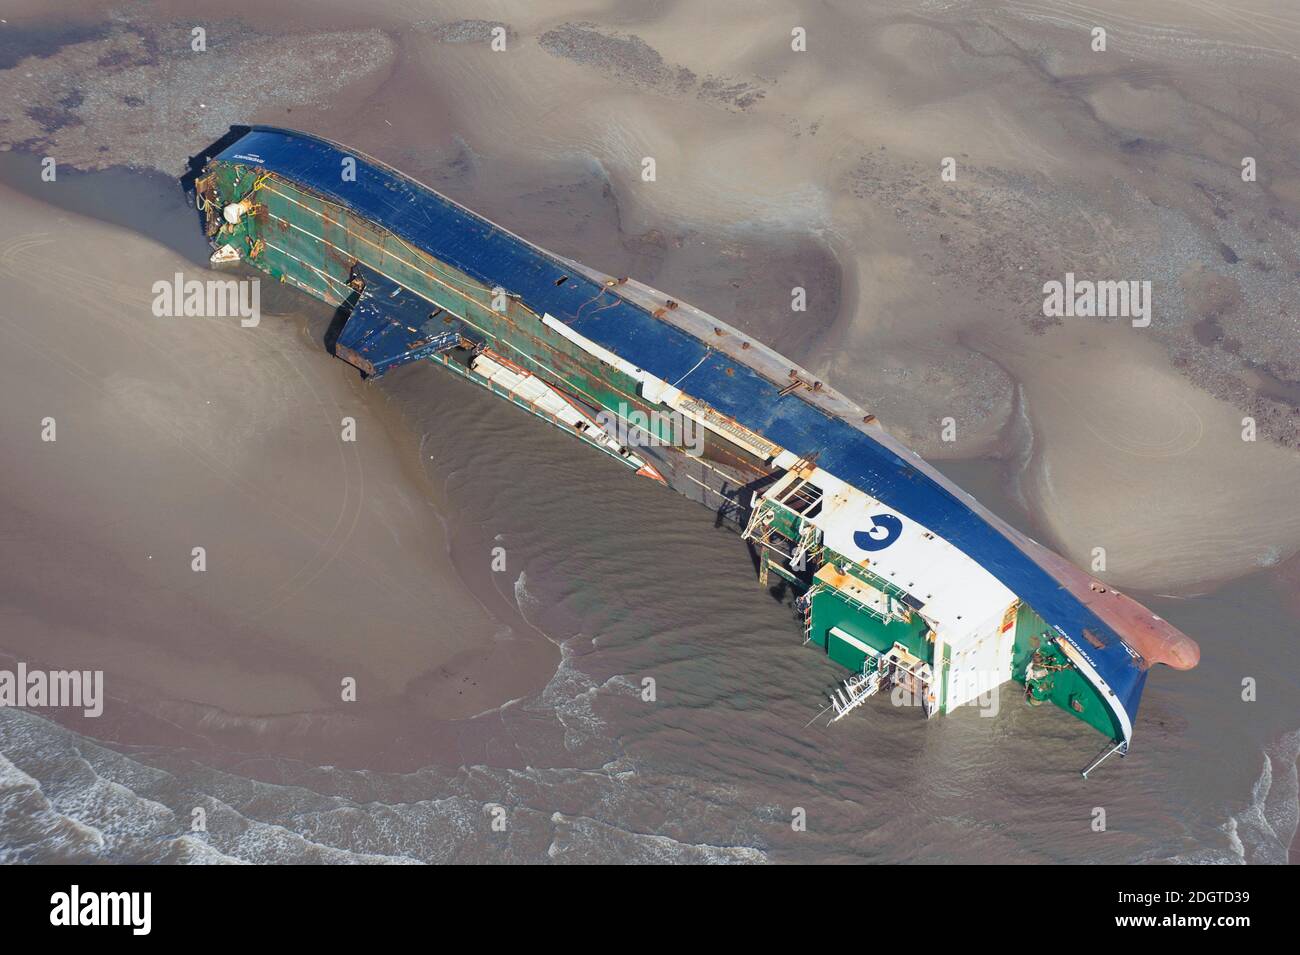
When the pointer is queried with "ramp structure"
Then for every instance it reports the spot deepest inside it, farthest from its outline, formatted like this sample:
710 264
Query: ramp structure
391 326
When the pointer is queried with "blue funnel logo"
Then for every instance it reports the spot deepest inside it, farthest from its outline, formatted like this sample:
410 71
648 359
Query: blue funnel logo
884 530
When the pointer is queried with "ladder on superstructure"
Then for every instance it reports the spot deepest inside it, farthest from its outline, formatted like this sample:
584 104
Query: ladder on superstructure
877 674
797 493
758 516
856 690
808 548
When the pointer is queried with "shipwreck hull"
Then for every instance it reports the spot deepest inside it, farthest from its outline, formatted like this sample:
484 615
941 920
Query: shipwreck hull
829 499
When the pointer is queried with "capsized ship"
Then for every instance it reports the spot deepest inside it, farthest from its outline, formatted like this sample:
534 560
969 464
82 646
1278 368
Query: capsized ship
901 578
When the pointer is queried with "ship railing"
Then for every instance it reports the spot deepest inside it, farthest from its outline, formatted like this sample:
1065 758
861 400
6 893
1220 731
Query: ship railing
808 546
853 692
759 516
798 499
885 615
880 673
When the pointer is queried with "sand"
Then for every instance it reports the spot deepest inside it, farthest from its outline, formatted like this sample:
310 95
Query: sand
1124 457
326 559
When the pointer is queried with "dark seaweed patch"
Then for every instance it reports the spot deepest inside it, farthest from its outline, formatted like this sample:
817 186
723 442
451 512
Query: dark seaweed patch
51 119
17 43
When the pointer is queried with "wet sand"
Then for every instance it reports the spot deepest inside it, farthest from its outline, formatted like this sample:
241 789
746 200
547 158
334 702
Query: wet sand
326 559
1116 452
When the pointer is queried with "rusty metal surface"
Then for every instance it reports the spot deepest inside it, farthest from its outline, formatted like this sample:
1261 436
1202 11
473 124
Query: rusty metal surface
391 326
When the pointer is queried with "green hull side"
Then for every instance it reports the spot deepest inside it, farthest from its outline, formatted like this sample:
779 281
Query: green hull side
830 610
313 245
1067 689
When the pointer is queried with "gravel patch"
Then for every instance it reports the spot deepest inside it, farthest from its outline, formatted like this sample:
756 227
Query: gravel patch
140 96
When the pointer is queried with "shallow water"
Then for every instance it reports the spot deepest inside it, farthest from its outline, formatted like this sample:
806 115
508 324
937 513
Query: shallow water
635 583
144 201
